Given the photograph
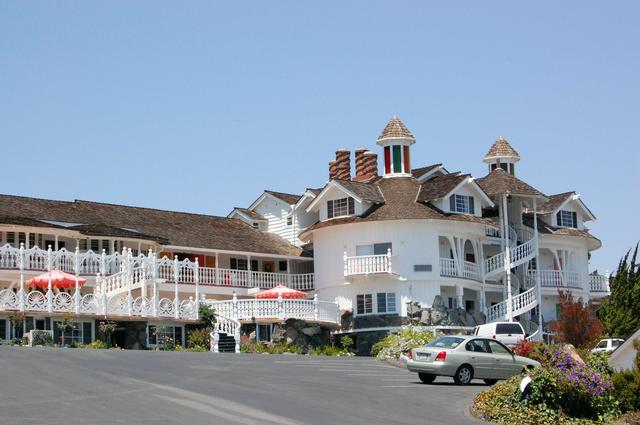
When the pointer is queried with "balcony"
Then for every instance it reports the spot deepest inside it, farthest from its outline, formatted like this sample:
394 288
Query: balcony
555 278
367 264
468 270
243 278
599 285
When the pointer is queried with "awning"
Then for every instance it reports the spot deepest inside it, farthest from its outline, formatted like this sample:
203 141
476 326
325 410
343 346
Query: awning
59 279
281 290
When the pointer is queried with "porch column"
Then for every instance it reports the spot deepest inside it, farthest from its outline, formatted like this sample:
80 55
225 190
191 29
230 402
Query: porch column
459 296
176 276
129 281
56 242
197 279
249 272
507 259
483 293
21 294
49 292
76 269
538 285
289 273
154 276
26 239
216 276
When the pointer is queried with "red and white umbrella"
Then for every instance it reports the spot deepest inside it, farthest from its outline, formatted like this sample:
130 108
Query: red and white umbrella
59 279
287 293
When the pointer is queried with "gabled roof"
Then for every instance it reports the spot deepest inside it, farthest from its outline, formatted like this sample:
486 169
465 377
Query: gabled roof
559 200
289 198
251 215
547 229
501 148
500 182
367 192
170 227
395 129
423 171
439 186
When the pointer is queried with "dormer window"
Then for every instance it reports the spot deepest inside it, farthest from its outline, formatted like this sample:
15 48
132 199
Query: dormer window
461 204
256 225
567 219
340 207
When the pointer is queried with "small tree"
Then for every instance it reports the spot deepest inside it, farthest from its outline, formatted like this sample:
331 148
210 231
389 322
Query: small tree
16 321
577 324
64 326
620 313
106 329
207 316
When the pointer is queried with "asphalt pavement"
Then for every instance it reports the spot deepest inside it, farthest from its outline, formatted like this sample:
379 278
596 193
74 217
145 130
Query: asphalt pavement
55 386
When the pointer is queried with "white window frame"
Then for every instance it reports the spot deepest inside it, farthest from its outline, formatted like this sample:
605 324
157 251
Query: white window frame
370 249
365 312
462 204
259 336
341 207
172 334
565 219
389 303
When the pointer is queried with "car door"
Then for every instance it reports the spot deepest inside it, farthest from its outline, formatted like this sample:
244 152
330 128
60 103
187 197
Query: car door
478 356
504 360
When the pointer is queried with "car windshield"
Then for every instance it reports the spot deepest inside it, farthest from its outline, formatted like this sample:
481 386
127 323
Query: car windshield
446 342
602 344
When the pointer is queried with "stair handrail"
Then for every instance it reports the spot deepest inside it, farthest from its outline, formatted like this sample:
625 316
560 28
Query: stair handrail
224 324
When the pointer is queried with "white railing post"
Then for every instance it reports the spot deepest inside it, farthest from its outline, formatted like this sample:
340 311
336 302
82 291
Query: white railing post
315 307
216 337
129 278
103 294
197 279
154 276
346 266
280 307
176 274
236 336
389 259
21 294
103 263
234 312
49 291
76 267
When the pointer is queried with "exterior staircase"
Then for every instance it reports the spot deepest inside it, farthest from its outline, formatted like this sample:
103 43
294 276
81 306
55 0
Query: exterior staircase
225 337
522 248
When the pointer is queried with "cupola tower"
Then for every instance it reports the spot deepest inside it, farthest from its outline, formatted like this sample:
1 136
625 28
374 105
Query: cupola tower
502 155
396 140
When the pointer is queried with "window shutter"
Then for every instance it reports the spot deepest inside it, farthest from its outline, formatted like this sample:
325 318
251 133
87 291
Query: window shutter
352 206
471 206
233 264
574 217
329 209
452 203
558 219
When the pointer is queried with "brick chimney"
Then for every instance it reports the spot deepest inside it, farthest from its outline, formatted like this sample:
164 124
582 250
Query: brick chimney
333 169
360 162
343 164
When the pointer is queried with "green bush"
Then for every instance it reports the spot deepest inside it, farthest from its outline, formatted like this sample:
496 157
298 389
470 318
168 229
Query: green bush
394 344
271 348
329 350
41 338
198 338
627 389
599 362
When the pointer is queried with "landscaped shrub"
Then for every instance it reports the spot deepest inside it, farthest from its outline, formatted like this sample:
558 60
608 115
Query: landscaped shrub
394 344
329 350
41 338
198 338
578 324
562 391
270 348
599 362
627 389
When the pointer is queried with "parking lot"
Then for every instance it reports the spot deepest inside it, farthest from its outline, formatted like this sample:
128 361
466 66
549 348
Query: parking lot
75 386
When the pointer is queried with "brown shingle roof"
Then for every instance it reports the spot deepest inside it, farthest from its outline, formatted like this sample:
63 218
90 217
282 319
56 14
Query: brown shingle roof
176 228
501 148
439 186
399 194
499 181
251 214
366 191
286 197
554 202
419 172
544 228
395 129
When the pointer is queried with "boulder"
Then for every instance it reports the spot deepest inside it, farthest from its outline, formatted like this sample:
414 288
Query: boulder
310 331
572 352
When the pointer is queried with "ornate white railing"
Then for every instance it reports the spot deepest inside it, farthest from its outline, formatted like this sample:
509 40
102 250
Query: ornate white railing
555 278
521 303
90 263
226 325
96 304
449 268
599 283
367 264
249 310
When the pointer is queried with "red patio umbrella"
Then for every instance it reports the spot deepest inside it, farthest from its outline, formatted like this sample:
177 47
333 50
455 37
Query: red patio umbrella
59 279
281 290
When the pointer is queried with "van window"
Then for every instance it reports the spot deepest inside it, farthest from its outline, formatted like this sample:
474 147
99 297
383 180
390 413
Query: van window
508 328
475 331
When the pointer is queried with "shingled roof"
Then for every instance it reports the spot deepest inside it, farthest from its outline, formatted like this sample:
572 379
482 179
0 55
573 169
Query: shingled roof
544 228
499 182
251 214
554 202
368 192
169 227
400 203
289 198
419 172
440 186
501 148
396 129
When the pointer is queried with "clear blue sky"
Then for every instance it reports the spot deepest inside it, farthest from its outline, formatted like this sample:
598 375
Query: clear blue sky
199 106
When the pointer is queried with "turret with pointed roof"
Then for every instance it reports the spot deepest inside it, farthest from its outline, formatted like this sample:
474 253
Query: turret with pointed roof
502 155
396 140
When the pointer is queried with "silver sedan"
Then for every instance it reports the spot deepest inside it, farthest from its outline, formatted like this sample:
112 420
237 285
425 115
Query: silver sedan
466 358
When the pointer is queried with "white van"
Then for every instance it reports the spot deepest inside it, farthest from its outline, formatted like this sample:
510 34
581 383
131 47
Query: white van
508 333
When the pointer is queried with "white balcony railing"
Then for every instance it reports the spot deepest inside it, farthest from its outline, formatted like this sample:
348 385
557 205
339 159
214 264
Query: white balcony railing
90 263
555 278
599 283
367 264
449 268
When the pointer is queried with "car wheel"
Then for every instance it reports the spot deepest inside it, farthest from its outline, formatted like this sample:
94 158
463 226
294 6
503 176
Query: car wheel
490 381
463 375
426 378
